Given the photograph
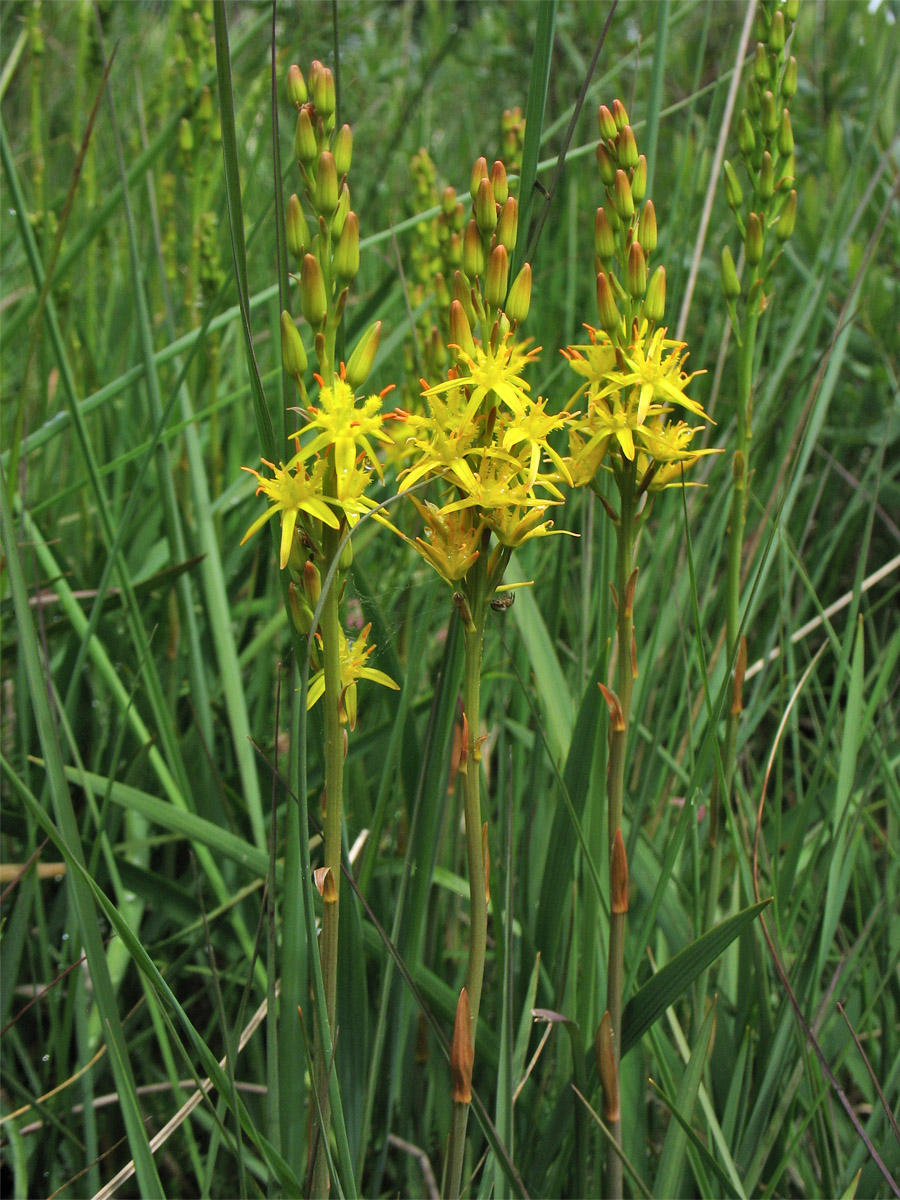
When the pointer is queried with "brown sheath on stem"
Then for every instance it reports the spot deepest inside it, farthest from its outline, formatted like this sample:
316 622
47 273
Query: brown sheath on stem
462 1053
607 1068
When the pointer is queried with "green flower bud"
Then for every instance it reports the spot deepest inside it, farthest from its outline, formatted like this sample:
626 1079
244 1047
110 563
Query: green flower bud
448 201
462 292
293 353
745 134
607 166
460 329
639 180
305 148
791 9
761 65
301 613
733 191
610 320
499 182
655 299
785 135
324 96
497 277
776 31
626 148
473 251
622 197
647 232
731 285
345 562
205 106
296 87
785 226
606 123
789 78
313 303
765 182
342 149
508 224
604 238
340 213
753 240
441 291
185 136
768 114
326 192
620 116
363 357
479 172
346 256
485 207
296 229
453 251
636 271
519 299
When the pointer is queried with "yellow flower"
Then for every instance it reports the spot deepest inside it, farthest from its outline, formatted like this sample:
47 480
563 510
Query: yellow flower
533 426
514 525
291 492
353 667
345 425
453 542
657 376
495 369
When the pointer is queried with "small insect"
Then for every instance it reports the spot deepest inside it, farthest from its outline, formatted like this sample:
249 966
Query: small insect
502 603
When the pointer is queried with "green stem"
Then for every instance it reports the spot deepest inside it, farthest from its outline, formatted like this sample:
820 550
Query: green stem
334 777
625 535
478 600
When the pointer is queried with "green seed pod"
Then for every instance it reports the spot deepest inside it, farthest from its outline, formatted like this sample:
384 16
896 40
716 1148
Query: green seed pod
342 149
785 226
731 285
655 299
733 191
497 277
313 303
346 255
647 232
293 353
636 271
296 229
604 238
296 87
753 240
519 299
363 357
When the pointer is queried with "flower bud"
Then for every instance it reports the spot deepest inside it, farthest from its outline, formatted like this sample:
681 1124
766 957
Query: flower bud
293 353
604 238
620 116
204 106
448 201
363 357
731 286
185 136
753 240
479 172
655 299
326 193
508 224
305 148
473 251
776 31
788 218
639 180
485 207
453 251
296 88
499 182
342 149
301 613
745 135
323 93
519 299
768 114
313 303
765 181
610 320
340 213
626 148
733 192
296 229
622 197
346 255
497 278
460 329
646 230
462 292
789 78
607 166
761 65
607 123
636 271
791 9
785 135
